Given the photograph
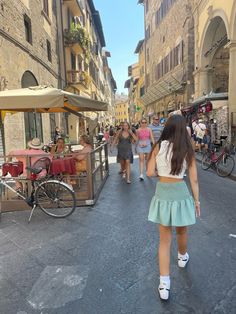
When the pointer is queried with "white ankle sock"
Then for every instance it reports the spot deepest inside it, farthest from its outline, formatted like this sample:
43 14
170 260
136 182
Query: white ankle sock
182 256
165 279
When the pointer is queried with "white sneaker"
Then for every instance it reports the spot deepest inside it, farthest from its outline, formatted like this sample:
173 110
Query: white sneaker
141 178
164 290
182 262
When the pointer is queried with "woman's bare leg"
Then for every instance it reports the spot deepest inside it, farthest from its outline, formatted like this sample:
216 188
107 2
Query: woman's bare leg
182 239
164 250
122 165
141 163
146 159
127 164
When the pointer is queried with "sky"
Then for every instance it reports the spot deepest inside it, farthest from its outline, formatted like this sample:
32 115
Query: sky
123 27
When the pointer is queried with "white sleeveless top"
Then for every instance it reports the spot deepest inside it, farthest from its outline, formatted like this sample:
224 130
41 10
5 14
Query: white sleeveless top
163 161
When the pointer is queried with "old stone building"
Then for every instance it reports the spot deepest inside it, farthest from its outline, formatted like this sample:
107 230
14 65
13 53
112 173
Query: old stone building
215 60
169 55
28 57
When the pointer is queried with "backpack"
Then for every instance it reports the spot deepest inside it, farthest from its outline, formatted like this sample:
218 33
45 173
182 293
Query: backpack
111 132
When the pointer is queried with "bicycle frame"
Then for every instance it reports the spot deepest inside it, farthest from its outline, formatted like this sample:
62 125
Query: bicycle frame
4 183
216 160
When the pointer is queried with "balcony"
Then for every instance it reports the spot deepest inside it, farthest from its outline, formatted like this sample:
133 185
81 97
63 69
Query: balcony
78 77
76 35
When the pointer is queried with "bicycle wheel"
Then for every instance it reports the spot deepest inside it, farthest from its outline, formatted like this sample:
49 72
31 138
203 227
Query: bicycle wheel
55 198
206 161
225 166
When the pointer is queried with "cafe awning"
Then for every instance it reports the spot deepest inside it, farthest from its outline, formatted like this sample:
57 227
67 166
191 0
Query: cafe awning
45 99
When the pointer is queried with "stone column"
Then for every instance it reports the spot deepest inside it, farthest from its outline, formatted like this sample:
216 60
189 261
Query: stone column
232 90
203 82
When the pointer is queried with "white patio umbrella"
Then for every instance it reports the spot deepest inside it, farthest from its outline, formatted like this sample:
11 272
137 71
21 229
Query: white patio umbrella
47 99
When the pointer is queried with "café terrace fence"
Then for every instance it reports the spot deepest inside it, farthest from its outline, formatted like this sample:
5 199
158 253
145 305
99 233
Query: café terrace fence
87 185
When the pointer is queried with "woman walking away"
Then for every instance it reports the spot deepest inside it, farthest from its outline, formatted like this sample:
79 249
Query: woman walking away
145 137
124 139
173 205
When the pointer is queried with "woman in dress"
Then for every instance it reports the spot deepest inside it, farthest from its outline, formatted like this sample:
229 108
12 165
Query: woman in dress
124 139
145 138
173 205
60 149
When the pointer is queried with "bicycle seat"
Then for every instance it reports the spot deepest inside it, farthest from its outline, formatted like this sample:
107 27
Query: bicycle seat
34 170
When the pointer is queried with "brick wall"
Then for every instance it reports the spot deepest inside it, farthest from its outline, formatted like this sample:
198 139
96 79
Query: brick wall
17 56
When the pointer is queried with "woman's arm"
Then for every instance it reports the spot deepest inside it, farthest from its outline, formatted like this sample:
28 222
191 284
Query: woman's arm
134 137
151 136
81 154
151 163
194 185
115 141
53 150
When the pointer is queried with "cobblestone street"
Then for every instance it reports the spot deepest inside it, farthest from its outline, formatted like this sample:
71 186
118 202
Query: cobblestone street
103 259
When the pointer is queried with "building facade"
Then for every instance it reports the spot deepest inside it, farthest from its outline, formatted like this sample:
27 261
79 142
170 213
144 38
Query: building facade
215 59
121 109
86 66
136 85
169 55
28 54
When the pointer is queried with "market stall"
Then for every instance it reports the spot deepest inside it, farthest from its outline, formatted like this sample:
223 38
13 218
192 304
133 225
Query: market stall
213 110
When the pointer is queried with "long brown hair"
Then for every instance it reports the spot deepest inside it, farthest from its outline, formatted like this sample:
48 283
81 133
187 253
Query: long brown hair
176 133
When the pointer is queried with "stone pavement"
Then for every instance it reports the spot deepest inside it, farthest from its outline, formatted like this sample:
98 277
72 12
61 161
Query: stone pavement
102 260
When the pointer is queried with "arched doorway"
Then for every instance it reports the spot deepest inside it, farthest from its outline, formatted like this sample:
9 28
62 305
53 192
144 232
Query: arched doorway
214 77
33 120
215 57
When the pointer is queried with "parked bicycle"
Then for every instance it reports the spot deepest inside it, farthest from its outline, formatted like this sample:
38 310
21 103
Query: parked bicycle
55 198
223 163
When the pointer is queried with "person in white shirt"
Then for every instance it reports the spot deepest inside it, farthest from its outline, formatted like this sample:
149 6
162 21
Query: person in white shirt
172 204
199 129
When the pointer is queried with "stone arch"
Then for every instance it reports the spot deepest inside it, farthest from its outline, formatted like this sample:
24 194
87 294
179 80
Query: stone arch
28 79
215 36
233 23
215 18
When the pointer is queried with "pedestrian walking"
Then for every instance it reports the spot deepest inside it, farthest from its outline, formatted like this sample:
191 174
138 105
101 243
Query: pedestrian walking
145 138
173 205
125 138
199 130
111 136
106 135
115 141
156 128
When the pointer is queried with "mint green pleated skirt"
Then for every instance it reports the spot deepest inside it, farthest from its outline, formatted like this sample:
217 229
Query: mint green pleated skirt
172 205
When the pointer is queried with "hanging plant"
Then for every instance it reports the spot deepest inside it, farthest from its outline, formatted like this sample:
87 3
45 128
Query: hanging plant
78 34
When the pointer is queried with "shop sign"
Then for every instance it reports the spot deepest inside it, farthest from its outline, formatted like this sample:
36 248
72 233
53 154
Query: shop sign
205 108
